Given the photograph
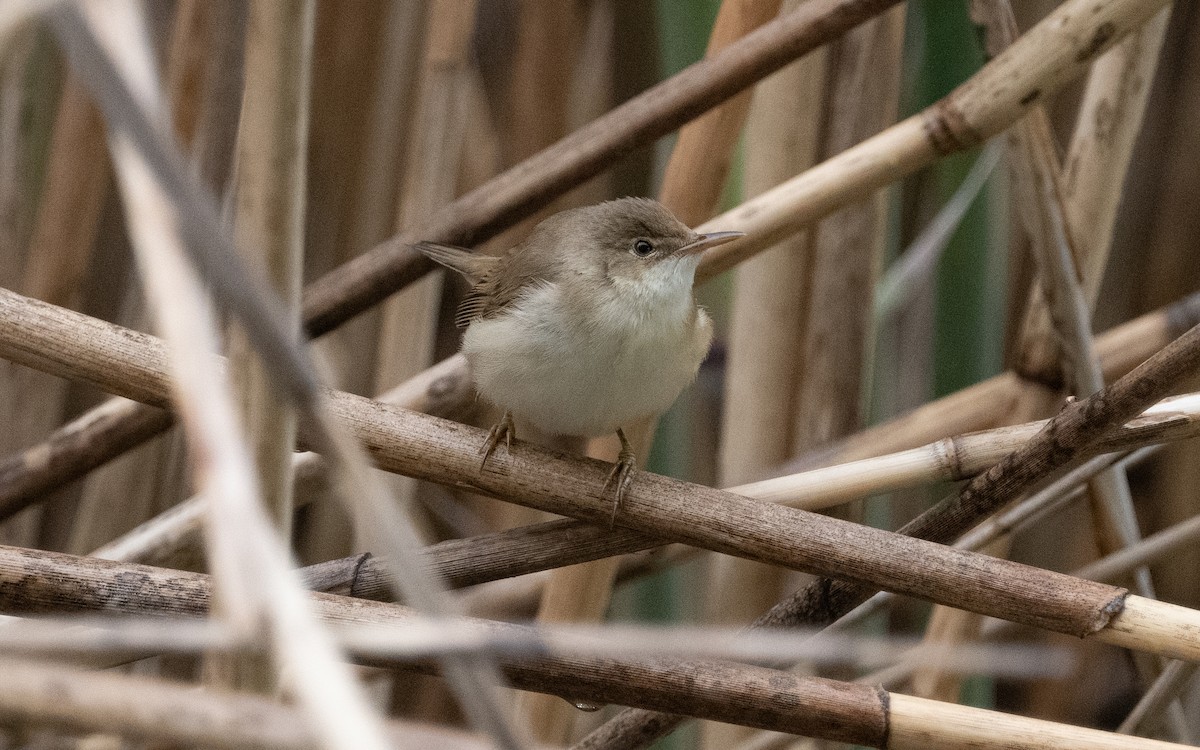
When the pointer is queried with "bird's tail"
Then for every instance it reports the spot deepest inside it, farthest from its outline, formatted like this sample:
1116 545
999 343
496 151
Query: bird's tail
472 265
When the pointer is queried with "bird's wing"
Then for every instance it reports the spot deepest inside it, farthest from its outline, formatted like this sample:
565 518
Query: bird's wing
491 291
479 269
489 297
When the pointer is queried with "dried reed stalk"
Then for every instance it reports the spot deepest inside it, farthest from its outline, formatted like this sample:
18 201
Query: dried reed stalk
58 257
269 200
269 222
429 182
175 533
505 199
251 566
782 140
986 404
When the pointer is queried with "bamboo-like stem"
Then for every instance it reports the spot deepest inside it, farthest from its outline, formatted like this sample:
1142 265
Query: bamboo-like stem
750 695
1049 54
692 183
1053 498
919 724
783 136
103 641
1064 268
1157 627
60 250
408 323
272 147
986 404
69 214
1114 566
438 391
520 191
85 443
1056 251
1110 117
700 162
208 249
269 220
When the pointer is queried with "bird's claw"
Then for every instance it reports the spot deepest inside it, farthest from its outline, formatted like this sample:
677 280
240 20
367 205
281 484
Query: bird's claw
502 430
621 476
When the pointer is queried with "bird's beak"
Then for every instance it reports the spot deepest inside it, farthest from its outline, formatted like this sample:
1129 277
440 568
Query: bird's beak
705 241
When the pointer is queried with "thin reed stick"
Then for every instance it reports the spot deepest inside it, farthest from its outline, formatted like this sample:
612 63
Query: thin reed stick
918 724
1175 676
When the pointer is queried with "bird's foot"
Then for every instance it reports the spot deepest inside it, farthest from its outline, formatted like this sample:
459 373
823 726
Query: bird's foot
621 476
504 430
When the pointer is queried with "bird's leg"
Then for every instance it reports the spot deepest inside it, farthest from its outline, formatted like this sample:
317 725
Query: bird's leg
503 430
621 476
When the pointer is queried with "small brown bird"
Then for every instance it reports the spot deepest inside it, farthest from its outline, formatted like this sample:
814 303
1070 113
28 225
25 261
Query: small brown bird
587 325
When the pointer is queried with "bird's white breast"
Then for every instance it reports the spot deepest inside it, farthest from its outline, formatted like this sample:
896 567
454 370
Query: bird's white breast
587 369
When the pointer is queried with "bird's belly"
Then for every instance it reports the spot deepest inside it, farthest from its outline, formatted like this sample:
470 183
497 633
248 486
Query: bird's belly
580 380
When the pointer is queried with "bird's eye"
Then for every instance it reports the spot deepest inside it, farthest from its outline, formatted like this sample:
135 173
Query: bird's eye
642 248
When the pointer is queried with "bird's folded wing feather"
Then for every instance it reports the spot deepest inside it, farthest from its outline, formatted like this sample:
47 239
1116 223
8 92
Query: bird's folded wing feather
490 292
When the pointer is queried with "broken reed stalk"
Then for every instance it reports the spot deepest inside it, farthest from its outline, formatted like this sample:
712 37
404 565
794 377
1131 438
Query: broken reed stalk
38 581
436 450
1049 55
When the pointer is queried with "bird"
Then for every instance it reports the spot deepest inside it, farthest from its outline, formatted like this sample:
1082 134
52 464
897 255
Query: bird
586 326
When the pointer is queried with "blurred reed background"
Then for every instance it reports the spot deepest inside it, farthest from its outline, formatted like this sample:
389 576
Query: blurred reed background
901 297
